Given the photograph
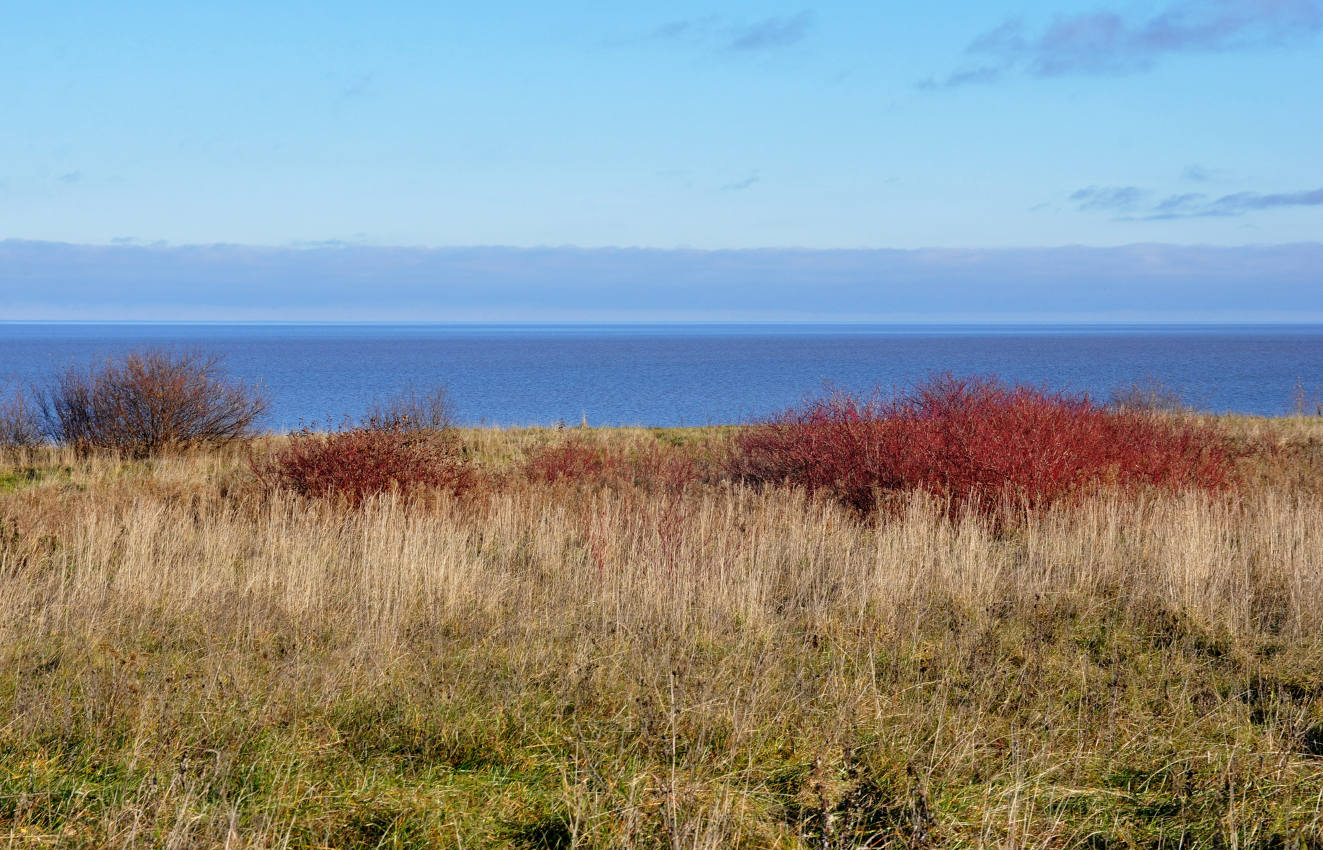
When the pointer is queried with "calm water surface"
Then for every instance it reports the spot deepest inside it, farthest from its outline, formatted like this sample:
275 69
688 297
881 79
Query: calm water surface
685 374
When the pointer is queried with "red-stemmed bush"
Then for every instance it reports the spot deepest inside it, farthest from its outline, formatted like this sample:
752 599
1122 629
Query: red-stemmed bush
579 461
574 460
354 464
666 467
978 442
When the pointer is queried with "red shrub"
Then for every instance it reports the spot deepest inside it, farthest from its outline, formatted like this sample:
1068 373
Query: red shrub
574 460
977 441
579 461
669 468
841 444
360 462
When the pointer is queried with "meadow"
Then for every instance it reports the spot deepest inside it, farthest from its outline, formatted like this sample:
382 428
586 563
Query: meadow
609 638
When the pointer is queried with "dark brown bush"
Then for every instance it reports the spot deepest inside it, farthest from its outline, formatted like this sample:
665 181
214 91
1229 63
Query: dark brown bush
150 401
20 419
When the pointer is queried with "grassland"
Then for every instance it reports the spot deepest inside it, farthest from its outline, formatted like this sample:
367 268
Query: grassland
190 660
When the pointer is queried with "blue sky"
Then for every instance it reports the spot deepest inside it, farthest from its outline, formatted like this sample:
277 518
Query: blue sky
821 127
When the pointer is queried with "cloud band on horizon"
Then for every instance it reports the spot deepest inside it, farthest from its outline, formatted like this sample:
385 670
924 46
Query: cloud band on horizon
47 280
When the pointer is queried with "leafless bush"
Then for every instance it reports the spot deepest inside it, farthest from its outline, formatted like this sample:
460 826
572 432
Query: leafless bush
20 419
413 409
149 401
1151 394
1305 403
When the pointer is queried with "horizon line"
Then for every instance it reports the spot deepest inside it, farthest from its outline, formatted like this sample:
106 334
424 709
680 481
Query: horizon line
311 245
688 322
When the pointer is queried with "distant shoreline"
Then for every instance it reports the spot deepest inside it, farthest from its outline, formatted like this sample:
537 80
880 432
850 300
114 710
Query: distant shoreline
696 324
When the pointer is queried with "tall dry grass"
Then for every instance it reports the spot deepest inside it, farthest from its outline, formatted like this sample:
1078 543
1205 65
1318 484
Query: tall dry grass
189 661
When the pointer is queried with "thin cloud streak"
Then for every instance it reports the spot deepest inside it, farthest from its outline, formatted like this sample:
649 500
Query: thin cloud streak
1126 201
974 76
683 28
1107 42
1095 198
714 31
772 32
741 185
1198 205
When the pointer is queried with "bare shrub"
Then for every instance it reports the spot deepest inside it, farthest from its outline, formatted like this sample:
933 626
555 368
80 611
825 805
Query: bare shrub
413 409
20 419
1304 402
149 401
1149 393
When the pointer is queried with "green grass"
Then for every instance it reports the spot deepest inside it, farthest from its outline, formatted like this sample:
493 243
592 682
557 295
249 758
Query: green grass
446 752
17 479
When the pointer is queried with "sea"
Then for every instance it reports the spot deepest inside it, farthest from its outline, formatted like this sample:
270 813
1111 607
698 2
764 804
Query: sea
686 374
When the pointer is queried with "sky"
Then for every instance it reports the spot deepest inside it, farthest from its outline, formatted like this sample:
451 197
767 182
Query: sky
671 134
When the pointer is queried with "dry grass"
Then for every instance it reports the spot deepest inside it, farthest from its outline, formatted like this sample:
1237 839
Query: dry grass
187 661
